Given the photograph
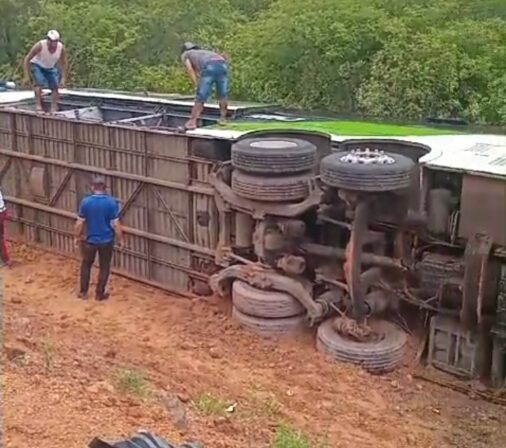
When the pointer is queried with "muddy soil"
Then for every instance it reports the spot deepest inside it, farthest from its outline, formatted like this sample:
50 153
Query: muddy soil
145 359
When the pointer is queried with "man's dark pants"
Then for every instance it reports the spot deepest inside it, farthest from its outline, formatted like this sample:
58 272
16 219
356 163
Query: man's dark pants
89 252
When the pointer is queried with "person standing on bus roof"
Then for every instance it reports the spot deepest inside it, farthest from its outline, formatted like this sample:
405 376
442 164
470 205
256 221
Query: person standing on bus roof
99 215
47 63
205 68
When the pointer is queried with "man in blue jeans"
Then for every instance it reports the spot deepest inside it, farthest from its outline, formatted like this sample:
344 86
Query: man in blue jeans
47 64
205 69
99 215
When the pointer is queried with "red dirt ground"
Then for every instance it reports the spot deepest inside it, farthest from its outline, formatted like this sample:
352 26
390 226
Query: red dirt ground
61 357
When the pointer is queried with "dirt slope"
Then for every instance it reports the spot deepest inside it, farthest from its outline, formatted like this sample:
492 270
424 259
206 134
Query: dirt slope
66 377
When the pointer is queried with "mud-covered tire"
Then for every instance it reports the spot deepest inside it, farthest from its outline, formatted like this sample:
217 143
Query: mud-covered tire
376 357
274 155
270 327
337 171
267 304
271 189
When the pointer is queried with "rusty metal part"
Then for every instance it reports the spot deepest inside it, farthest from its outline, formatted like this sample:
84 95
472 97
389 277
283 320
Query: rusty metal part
339 254
292 264
408 296
334 298
321 278
435 268
352 264
349 328
377 242
292 228
273 240
342 224
224 233
370 277
243 230
476 260
260 210
267 238
263 278
227 253
377 302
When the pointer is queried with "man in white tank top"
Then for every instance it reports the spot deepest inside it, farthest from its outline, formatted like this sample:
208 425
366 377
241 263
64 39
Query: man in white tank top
47 64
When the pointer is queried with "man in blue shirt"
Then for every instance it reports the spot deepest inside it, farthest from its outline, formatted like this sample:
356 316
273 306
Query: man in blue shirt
98 218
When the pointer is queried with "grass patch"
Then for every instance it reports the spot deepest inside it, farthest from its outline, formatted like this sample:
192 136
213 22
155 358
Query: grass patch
208 404
343 127
264 403
288 437
131 382
48 353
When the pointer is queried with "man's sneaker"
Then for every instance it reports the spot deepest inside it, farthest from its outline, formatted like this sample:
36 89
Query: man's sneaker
102 297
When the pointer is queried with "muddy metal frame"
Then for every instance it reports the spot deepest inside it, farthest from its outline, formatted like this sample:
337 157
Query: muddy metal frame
160 178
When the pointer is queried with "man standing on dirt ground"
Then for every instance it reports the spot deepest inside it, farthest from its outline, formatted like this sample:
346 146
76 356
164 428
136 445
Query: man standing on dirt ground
3 225
205 68
98 218
47 64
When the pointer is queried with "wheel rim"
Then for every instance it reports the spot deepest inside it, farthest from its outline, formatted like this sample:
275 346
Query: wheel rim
367 157
277 144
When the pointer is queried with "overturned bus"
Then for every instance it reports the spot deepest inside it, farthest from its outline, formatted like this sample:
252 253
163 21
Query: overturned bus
355 237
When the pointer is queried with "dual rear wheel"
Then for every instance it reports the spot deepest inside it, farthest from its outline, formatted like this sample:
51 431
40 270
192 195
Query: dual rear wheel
274 313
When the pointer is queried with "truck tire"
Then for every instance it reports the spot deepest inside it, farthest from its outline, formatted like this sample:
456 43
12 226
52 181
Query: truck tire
367 171
273 155
260 303
271 189
270 327
376 357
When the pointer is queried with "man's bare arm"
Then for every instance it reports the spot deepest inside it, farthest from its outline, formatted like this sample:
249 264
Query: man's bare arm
36 49
191 71
63 66
118 231
78 230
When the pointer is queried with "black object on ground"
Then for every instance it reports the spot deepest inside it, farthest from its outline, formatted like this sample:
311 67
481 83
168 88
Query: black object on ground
141 440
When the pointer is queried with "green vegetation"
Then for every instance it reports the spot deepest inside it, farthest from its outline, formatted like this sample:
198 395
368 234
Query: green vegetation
288 437
210 405
131 382
394 59
351 128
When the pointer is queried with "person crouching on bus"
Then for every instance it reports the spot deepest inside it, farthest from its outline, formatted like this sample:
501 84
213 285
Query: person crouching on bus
47 64
206 68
